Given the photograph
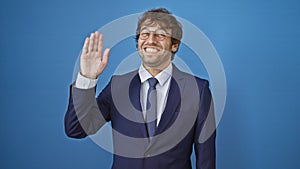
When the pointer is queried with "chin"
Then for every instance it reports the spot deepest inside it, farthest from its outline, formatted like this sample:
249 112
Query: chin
150 62
149 57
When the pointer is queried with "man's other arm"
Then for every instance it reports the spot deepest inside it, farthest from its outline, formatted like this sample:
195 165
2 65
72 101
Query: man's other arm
205 133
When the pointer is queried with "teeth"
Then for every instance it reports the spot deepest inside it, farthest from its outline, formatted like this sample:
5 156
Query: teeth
152 50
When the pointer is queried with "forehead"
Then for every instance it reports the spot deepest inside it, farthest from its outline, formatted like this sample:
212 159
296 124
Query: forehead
153 25
150 23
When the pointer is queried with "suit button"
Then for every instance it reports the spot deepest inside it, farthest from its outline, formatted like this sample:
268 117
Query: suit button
147 155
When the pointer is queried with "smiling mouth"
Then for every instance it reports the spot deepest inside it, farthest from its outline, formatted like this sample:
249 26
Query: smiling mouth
151 50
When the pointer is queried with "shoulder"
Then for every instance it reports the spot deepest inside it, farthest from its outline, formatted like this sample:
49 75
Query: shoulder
126 76
123 82
201 82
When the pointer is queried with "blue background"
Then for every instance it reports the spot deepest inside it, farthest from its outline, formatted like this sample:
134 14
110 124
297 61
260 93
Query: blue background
258 43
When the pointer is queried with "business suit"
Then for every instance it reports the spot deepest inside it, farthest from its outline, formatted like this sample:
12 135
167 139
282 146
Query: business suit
187 108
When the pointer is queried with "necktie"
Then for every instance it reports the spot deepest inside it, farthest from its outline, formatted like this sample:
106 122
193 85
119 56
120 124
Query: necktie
151 107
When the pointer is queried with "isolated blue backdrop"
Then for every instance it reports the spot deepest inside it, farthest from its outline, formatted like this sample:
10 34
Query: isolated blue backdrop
258 43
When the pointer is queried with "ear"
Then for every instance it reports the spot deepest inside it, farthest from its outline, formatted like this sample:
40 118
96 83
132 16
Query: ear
175 47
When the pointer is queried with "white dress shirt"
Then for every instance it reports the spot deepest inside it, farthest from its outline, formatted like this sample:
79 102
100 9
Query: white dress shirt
162 88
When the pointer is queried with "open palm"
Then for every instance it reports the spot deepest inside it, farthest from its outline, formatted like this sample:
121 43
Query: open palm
92 62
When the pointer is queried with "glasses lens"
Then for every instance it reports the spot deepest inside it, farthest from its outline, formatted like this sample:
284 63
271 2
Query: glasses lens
158 34
144 34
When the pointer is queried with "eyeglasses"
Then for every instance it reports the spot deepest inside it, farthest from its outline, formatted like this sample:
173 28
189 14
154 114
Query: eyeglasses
159 34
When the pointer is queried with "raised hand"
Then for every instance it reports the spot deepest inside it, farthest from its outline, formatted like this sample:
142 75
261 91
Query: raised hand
92 62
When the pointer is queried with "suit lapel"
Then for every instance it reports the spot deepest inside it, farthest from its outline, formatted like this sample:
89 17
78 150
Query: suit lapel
173 101
134 95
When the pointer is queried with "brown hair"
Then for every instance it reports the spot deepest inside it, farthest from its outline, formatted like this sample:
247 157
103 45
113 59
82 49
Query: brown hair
163 18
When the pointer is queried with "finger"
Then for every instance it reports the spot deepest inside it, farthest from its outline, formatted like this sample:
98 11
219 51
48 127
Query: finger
96 41
105 56
91 44
100 44
85 46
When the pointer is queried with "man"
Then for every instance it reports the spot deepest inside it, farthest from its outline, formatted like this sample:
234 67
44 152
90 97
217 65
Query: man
157 113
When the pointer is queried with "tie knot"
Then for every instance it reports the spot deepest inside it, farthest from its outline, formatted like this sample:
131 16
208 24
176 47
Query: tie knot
152 82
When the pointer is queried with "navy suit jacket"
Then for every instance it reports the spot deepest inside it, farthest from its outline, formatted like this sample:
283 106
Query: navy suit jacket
183 122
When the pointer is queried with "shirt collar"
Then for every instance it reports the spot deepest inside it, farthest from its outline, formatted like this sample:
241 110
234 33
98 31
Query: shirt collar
162 77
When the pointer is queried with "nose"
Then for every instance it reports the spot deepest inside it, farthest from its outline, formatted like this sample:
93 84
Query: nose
151 38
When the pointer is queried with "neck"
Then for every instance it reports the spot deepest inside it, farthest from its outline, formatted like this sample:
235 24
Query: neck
155 70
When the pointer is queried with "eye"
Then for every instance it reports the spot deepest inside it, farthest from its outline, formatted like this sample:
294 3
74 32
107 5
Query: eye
161 35
145 34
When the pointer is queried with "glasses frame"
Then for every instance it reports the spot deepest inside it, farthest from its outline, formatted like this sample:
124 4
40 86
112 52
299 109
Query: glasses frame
160 36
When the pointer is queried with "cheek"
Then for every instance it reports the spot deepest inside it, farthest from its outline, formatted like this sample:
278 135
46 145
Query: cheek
167 47
139 45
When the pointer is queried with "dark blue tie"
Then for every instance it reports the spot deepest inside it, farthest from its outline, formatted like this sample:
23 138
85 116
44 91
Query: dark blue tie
151 107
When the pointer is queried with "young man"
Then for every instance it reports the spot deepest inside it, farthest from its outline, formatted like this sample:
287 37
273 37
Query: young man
157 112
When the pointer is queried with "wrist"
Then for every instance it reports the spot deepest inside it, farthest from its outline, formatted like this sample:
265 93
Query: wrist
83 82
89 76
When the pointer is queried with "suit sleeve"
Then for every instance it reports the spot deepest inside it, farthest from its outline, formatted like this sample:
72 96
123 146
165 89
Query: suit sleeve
205 131
86 114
